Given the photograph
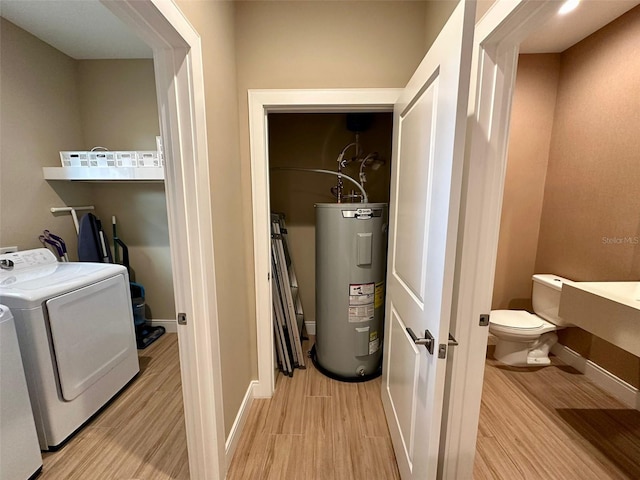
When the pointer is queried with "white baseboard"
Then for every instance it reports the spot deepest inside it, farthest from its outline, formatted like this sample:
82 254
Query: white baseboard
236 429
310 327
170 326
627 394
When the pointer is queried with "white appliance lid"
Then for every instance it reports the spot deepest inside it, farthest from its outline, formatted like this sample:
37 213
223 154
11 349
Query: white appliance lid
516 319
28 287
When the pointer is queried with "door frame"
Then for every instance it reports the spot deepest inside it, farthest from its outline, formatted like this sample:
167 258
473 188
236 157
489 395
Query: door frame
261 103
179 77
495 59
495 55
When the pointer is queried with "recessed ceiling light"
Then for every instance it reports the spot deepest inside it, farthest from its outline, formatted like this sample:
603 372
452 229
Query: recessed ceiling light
568 6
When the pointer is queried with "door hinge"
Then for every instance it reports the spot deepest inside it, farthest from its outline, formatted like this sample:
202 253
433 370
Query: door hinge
484 319
182 319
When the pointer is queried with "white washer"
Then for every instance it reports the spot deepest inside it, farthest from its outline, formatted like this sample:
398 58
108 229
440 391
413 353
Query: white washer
76 335
20 457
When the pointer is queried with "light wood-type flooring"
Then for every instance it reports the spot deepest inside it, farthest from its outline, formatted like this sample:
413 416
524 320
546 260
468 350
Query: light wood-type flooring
553 423
140 435
316 428
543 423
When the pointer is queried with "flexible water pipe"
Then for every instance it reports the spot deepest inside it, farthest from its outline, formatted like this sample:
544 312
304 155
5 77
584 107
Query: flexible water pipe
365 197
342 163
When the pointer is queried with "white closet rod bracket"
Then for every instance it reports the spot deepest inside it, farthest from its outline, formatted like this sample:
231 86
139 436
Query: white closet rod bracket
73 213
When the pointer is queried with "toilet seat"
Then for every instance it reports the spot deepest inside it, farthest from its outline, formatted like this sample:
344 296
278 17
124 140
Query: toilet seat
519 323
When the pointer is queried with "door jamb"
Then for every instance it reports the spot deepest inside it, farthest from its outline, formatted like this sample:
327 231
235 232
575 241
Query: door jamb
179 75
261 103
495 57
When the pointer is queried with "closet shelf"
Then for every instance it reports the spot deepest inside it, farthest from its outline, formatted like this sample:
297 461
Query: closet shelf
118 174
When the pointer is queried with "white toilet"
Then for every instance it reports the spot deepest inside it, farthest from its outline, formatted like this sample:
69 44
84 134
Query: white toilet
524 338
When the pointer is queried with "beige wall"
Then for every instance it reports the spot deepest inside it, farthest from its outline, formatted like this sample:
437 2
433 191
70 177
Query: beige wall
482 6
532 113
437 14
591 192
119 111
141 214
317 44
215 23
51 102
591 200
118 104
439 11
314 141
39 112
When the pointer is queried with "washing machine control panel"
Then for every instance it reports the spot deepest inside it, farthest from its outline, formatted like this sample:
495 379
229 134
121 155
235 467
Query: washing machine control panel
26 259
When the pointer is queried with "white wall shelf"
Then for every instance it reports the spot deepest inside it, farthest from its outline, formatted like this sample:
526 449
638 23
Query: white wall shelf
98 174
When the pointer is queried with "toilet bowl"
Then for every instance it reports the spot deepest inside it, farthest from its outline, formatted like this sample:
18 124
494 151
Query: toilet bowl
525 338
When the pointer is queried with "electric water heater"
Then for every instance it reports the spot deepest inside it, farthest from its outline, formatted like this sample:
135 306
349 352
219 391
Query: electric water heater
351 246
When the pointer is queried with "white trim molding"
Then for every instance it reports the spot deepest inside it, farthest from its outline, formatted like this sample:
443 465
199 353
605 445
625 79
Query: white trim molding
238 424
607 381
170 326
179 75
310 327
262 102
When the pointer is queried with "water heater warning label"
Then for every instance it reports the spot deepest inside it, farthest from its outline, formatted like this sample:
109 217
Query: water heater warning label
361 302
379 294
374 343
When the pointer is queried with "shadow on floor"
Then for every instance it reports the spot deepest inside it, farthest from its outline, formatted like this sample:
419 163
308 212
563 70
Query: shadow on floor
620 444
144 363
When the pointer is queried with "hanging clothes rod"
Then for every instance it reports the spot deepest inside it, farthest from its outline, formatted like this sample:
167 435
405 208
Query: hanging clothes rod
73 213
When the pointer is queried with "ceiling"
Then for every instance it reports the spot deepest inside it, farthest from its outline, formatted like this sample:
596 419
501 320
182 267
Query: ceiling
83 29
564 31
86 29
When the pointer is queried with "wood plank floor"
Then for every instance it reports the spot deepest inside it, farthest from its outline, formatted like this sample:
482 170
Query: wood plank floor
546 423
140 435
553 423
316 428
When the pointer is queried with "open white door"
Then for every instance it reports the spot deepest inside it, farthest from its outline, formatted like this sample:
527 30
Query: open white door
429 130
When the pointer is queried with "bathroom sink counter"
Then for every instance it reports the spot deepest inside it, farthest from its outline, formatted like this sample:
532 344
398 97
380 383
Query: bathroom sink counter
609 310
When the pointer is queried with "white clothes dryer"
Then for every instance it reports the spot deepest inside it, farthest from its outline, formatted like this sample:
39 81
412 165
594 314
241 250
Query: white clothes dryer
76 334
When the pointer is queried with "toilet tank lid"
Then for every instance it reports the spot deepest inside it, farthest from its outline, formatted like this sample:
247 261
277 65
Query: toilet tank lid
551 280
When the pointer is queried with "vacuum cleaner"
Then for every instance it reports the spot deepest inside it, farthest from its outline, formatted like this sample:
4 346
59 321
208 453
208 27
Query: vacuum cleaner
93 246
146 334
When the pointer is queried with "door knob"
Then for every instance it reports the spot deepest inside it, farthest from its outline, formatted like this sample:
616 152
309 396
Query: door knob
428 340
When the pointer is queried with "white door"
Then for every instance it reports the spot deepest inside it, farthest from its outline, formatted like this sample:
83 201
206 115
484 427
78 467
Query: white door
429 130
